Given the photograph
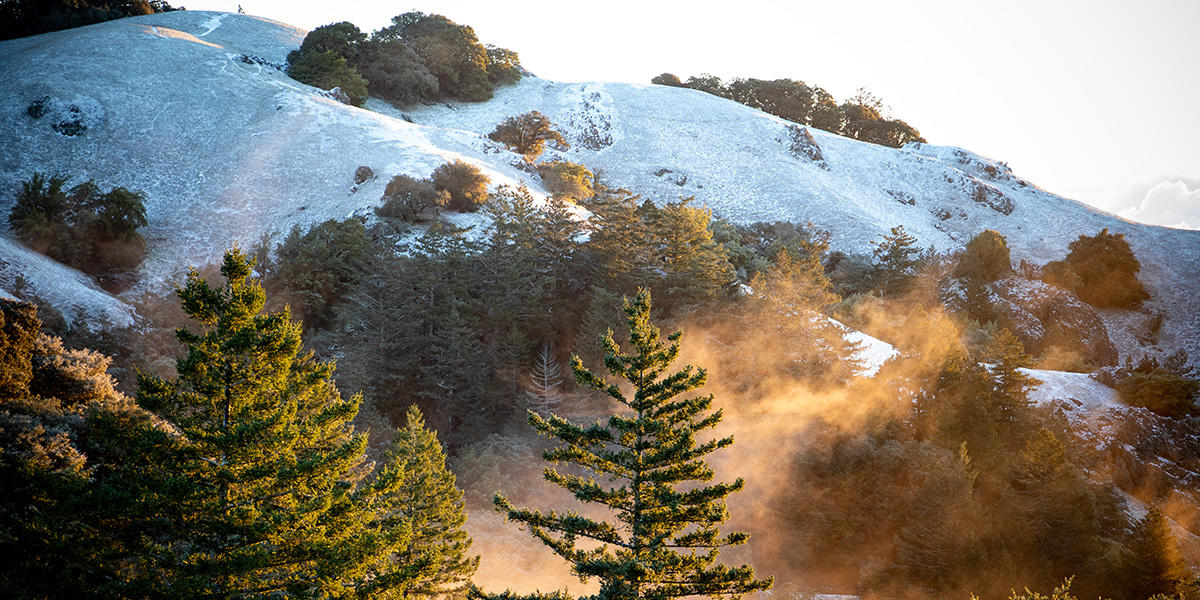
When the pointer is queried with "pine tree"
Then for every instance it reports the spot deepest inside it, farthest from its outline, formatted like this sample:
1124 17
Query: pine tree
544 382
428 501
649 468
1156 563
790 297
696 267
895 257
271 466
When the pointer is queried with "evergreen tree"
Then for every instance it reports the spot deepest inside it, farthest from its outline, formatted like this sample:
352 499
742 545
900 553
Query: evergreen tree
649 468
696 267
986 257
544 381
895 258
618 240
1157 565
428 501
271 465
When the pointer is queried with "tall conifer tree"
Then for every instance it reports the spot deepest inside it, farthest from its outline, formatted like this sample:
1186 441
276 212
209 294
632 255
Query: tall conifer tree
428 501
274 505
648 467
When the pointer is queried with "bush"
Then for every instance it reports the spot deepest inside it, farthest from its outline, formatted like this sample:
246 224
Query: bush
465 184
986 258
450 51
527 134
86 228
667 79
503 66
327 70
1168 394
395 73
313 270
343 39
566 179
411 199
1101 270
20 18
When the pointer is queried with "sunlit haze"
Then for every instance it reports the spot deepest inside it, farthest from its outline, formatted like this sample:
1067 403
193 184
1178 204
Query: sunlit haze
1091 100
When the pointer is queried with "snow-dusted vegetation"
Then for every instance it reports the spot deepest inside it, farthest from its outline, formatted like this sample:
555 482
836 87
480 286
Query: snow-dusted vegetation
943 379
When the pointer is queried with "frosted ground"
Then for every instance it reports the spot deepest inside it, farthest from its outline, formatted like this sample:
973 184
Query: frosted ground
240 151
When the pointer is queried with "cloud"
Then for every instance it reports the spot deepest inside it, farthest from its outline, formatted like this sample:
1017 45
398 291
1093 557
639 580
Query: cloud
1169 201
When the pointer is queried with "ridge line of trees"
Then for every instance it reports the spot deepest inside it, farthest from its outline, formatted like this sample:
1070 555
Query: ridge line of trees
861 117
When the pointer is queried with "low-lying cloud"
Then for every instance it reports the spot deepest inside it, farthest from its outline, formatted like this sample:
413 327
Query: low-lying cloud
1168 201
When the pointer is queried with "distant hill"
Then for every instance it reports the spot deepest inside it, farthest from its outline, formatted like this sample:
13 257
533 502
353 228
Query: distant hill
190 108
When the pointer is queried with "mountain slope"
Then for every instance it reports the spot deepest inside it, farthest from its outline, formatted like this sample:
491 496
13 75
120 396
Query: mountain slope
238 150
667 142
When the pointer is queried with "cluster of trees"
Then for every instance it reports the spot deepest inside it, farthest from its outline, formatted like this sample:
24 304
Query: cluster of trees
243 477
527 135
1168 387
19 18
461 346
972 489
860 117
240 477
1101 269
458 186
419 57
242 474
85 227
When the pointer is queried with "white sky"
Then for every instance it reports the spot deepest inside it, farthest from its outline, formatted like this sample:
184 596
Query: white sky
1094 100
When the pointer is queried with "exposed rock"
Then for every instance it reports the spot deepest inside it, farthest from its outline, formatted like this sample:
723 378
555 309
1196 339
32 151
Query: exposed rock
802 145
1046 317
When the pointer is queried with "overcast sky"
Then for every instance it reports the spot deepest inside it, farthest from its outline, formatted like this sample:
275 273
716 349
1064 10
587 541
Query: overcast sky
1094 100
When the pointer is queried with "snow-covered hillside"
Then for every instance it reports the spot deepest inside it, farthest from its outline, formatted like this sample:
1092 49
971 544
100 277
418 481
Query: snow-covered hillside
187 107
227 149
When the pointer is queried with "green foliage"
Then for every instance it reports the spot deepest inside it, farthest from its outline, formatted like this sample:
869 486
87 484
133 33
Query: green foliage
84 227
1170 389
395 73
860 117
986 258
503 66
1062 592
312 271
1165 393
450 51
669 249
428 501
412 200
896 258
19 18
663 541
667 79
466 185
1101 270
71 447
1158 566
527 134
342 39
327 70
566 179
273 500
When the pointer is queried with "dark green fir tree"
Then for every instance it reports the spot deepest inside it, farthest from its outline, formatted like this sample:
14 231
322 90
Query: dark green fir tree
648 467
428 500
275 502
